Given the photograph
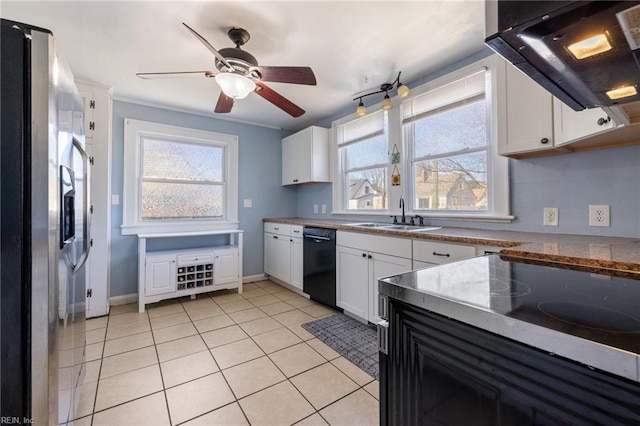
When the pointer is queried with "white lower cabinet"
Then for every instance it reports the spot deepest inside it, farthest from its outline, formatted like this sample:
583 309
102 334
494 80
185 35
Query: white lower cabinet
283 253
361 260
160 274
352 280
225 266
177 273
297 264
430 253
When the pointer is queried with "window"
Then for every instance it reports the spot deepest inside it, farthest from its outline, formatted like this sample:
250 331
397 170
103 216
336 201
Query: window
448 134
178 179
363 148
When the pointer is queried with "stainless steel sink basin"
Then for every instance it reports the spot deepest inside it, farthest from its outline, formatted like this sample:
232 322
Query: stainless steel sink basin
427 229
395 227
368 224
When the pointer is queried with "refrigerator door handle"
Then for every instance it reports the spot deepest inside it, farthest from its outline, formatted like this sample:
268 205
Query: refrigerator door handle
86 217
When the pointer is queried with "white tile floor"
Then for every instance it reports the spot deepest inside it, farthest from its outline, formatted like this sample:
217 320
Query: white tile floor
222 359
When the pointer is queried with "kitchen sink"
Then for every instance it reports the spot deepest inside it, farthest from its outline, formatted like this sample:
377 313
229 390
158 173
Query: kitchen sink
368 224
427 229
396 227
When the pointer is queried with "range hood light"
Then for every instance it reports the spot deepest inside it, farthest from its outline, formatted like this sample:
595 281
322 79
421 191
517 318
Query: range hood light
590 47
622 92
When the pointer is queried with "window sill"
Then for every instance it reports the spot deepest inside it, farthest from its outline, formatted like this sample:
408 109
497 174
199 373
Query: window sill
192 227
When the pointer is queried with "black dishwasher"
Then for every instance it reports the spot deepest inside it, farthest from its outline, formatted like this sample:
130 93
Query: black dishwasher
319 264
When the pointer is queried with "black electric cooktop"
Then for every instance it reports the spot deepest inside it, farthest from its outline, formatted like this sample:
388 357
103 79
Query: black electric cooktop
600 308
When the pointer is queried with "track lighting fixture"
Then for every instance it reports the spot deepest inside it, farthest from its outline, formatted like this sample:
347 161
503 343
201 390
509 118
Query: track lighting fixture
403 92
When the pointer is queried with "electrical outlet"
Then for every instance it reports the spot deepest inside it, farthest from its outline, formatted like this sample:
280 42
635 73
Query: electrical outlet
599 215
315 208
324 208
550 216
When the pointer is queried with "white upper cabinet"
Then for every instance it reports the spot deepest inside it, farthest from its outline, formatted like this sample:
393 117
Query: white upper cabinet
305 156
529 121
570 125
534 121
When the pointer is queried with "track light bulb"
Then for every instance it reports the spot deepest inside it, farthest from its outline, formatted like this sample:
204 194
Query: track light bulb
386 103
403 91
361 111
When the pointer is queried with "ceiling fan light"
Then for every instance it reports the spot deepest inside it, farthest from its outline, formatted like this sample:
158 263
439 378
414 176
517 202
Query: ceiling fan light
386 103
235 86
403 91
361 111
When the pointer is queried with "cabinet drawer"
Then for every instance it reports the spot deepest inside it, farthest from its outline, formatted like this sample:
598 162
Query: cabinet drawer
439 253
277 228
191 258
400 247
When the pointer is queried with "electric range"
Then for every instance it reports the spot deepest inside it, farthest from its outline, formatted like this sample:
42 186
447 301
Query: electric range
591 318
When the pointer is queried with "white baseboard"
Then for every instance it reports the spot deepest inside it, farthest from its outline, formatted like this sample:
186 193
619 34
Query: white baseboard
254 278
133 297
125 299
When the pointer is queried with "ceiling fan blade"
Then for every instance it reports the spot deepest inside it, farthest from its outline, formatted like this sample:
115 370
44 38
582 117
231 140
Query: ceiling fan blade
178 74
294 75
208 46
278 100
225 103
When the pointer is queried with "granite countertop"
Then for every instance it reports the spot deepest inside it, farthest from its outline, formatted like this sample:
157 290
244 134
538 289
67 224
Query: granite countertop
594 253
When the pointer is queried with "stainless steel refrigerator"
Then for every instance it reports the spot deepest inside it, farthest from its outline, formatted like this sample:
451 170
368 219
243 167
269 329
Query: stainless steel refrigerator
44 216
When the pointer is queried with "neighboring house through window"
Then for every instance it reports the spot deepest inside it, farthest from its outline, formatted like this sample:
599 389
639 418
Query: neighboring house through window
178 179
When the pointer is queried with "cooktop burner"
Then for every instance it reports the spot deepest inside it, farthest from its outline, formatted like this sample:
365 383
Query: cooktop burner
605 309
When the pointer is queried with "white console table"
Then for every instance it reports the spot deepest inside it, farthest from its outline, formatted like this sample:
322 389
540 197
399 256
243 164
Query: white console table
167 274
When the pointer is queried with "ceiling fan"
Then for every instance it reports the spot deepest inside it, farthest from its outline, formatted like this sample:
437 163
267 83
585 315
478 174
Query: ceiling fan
238 74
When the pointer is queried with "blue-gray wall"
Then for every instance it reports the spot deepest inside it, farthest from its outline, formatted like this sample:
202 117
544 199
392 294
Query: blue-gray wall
569 182
259 177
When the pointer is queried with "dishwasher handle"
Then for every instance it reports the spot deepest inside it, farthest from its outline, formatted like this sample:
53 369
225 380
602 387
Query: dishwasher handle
317 237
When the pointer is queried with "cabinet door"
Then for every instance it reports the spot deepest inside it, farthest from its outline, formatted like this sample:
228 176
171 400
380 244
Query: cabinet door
352 281
296 263
289 164
270 249
303 152
225 266
160 275
570 125
282 258
528 114
382 265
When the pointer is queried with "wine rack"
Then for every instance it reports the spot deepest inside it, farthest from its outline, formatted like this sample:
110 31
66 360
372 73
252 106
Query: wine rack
194 276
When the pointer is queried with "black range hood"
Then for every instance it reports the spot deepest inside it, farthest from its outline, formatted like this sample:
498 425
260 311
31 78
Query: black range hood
586 53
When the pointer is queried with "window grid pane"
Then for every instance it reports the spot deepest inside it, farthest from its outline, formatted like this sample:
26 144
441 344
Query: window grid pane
367 189
452 183
181 161
162 200
456 129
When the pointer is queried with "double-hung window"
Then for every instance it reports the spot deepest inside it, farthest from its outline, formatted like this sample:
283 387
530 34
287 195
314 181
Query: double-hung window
362 147
448 134
178 179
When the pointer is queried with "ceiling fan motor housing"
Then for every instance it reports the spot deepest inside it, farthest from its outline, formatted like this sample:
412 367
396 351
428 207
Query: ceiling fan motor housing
237 58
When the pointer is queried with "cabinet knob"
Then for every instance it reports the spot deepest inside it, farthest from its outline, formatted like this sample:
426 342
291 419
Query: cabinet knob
364 254
369 257
544 141
275 236
602 121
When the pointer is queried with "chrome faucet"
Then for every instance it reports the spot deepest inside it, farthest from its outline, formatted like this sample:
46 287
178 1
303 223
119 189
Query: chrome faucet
404 219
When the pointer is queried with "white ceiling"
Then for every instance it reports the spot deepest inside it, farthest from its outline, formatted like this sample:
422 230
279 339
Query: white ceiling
351 46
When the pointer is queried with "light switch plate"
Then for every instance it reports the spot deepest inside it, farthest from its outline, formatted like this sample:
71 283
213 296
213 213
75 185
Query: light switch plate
248 204
315 208
115 199
324 208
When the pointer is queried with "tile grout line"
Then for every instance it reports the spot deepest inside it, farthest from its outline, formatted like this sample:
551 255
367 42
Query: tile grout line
220 370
